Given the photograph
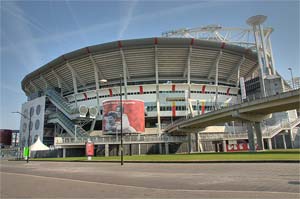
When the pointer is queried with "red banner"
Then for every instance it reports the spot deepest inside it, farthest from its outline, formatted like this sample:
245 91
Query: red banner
133 116
89 149
238 147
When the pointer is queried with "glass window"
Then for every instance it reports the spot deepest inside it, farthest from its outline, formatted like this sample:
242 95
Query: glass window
38 109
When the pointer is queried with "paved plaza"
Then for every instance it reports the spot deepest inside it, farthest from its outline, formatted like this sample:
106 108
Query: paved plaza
139 180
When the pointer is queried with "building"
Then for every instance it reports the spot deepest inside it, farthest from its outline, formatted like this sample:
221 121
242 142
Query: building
174 78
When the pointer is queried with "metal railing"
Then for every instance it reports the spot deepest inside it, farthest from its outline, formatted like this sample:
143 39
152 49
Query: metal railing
126 139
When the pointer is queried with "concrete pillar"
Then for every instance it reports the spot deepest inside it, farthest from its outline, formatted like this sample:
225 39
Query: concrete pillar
284 142
190 144
139 149
224 146
197 142
292 138
160 148
259 139
270 143
251 138
64 152
130 149
167 147
106 150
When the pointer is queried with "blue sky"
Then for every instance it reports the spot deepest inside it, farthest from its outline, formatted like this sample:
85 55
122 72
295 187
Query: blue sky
35 32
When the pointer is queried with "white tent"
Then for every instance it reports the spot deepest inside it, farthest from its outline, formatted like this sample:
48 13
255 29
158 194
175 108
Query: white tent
38 146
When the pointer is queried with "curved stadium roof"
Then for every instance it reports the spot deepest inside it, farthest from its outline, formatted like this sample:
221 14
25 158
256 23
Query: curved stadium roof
139 58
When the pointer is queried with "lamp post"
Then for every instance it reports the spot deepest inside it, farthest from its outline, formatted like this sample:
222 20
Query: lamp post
28 139
290 69
121 114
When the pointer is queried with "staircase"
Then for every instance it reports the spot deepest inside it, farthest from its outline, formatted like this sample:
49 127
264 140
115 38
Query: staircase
61 103
67 124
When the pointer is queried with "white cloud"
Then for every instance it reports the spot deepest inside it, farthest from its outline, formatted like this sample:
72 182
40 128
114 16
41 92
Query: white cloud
127 18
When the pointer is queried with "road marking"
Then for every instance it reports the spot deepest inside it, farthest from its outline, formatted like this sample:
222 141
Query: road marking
133 186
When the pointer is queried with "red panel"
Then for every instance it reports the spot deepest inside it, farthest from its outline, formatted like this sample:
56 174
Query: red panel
110 92
192 41
85 96
203 89
65 59
88 50
119 44
173 109
227 92
173 87
89 149
238 147
155 40
223 45
202 107
141 90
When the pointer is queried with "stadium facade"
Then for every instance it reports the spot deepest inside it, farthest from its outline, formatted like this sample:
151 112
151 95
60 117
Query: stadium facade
173 77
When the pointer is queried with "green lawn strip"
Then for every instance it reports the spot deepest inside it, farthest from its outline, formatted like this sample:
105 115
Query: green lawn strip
240 156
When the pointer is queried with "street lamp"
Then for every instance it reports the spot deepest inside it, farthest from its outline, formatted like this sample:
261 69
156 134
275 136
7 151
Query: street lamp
290 69
28 139
121 114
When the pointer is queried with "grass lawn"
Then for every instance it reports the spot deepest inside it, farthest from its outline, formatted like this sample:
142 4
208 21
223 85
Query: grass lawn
293 154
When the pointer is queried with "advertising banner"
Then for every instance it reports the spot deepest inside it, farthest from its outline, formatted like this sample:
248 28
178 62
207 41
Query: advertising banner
238 147
133 117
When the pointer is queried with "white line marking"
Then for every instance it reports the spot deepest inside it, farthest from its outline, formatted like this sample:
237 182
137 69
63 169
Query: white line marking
133 186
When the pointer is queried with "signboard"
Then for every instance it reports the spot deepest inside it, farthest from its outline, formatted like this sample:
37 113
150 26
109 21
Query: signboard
133 117
243 88
238 147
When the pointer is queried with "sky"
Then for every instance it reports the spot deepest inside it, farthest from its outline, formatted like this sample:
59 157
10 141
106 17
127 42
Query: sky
35 32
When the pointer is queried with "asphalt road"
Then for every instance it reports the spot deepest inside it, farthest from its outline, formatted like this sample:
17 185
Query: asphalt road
110 180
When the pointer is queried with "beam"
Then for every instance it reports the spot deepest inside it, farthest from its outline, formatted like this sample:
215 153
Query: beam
157 87
255 66
236 69
96 71
217 60
34 86
45 81
73 78
75 74
125 71
60 80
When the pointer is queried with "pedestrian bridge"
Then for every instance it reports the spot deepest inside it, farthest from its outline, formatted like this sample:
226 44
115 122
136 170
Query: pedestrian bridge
254 111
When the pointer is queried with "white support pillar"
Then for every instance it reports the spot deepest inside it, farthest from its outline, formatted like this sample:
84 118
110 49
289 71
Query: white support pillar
74 82
167 147
262 38
157 90
217 78
189 71
139 149
251 140
270 143
96 72
284 141
45 82
238 71
34 86
125 71
292 138
262 75
224 146
64 153
106 150
160 148
271 54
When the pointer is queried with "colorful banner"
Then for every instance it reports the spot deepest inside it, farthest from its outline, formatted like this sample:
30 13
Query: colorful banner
133 117
238 147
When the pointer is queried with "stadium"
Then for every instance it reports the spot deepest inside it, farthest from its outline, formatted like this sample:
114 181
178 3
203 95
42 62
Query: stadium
74 97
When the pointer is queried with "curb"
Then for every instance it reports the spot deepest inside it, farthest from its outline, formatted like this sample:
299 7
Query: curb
172 162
